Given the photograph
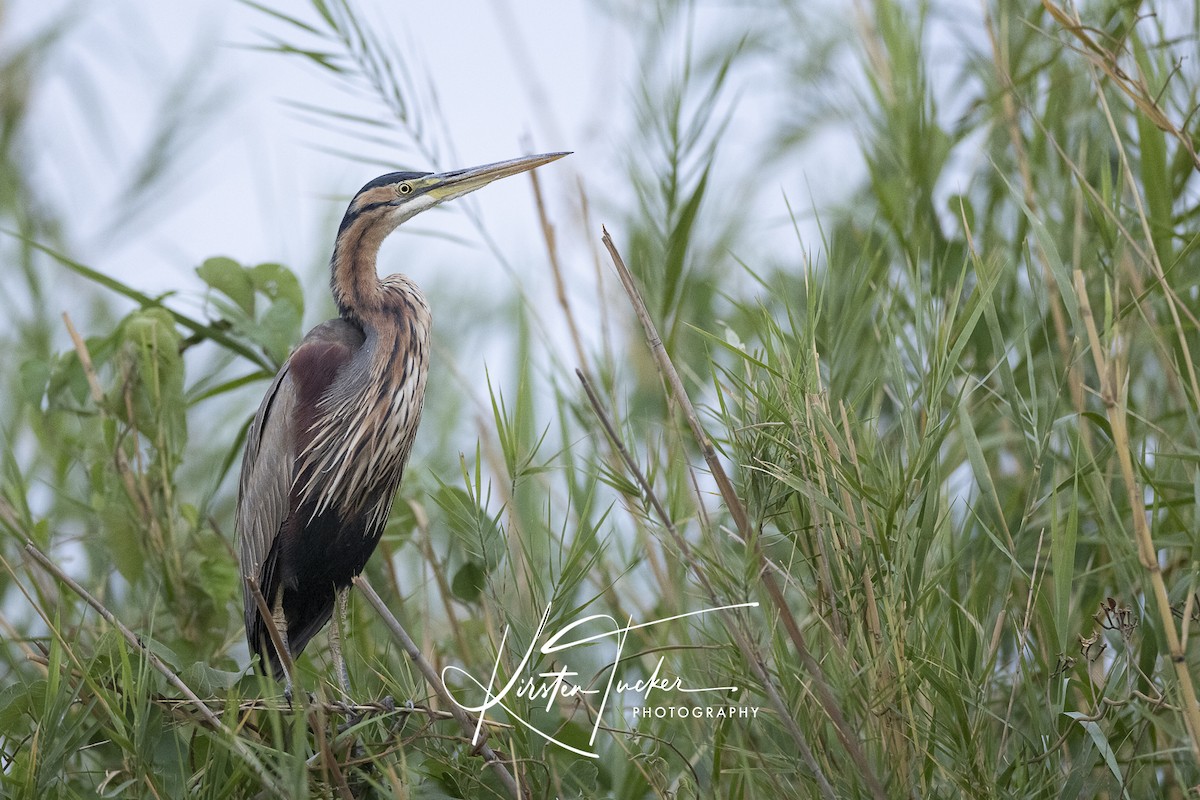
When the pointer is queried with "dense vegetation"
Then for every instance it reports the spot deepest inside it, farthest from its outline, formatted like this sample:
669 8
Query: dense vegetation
947 444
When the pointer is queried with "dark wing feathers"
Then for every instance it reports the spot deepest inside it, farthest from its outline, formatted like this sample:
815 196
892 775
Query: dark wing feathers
265 497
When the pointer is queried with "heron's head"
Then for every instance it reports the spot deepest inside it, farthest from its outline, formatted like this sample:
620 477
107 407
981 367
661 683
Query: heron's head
391 199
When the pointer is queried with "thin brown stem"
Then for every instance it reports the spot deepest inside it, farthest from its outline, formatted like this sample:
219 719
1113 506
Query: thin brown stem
560 286
425 543
435 682
134 481
648 492
1136 89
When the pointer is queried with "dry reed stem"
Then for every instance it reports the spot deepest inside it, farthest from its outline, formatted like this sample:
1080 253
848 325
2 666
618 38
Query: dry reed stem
41 655
1149 107
316 721
1175 305
425 544
244 706
1082 184
1105 61
585 214
315 716
1111 381
11 635
435 682
685 549
560 286
271 782
738 511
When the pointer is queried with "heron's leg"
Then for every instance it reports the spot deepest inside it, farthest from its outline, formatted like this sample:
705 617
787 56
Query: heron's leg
341 601
280 622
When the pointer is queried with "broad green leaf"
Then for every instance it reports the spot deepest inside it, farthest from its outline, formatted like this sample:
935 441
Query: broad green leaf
1101 741
207 681
231 279
161 408
468 581
278 283
278 330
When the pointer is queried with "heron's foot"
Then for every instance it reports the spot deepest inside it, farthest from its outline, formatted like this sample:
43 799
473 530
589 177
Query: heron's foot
290 697
353 717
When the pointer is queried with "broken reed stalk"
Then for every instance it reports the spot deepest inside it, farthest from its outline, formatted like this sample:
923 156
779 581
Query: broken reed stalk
1112 397
435 681
742 521
271 782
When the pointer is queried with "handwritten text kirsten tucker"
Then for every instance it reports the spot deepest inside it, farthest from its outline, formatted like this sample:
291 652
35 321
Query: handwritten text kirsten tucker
559 684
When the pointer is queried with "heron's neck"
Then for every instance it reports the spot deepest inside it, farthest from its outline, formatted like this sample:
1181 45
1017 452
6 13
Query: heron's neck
353 280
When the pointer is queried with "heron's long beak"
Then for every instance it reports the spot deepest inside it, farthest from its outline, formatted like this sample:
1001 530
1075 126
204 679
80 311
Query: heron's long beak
449 185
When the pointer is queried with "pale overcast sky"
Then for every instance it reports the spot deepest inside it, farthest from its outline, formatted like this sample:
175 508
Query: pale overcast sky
261 182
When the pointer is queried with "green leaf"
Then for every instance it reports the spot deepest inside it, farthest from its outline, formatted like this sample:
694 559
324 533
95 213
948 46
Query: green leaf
111 507
277 14
34 377
146 301
473 528
207 681
219 577
230 279
19 699
1156 180
677 244
278 330
278 283
963 211
468 581
1101 741
160 406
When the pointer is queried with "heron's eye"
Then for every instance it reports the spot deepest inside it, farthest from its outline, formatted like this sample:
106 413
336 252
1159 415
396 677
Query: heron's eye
404 188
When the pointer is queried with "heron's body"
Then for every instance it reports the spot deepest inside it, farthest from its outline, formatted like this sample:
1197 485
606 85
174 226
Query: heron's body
320 406
328 446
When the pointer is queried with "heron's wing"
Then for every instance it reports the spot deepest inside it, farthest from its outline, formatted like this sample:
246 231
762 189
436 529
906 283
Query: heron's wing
264 494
